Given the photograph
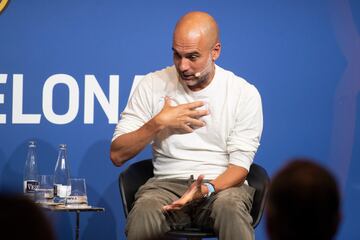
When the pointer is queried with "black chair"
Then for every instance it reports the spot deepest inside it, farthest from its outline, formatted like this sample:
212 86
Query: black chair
139 172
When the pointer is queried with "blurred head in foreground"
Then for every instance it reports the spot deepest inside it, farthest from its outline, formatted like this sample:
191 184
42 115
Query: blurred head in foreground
21 218
304 203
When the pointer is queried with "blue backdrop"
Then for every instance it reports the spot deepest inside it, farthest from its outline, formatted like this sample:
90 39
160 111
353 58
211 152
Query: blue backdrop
59 57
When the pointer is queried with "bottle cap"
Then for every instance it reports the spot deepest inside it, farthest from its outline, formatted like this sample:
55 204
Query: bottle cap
62 145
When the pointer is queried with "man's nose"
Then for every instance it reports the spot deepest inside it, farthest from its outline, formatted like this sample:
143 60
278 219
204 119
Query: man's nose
184 64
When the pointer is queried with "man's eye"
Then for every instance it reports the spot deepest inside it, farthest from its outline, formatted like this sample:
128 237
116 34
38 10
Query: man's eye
193 57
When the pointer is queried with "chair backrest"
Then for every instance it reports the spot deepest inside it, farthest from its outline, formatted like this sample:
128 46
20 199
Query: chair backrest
258 179
131 179
139 172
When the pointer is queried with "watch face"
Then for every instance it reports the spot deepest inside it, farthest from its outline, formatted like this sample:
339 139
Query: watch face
210 188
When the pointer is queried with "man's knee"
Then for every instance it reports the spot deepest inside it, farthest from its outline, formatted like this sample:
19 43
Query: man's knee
232 205
228 207
146 220
146 209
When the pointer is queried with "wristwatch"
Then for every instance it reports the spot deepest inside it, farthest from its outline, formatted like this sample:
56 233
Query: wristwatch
211 189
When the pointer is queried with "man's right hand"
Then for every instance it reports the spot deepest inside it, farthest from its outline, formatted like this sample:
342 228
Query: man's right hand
183 118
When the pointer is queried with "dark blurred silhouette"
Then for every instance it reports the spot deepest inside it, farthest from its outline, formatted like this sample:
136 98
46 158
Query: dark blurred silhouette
303 203
21 218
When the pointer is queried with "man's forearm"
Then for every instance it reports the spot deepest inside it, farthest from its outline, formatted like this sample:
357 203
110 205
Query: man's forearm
128 145
233 175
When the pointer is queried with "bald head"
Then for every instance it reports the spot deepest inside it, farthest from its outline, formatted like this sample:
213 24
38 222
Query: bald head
196 47
197 25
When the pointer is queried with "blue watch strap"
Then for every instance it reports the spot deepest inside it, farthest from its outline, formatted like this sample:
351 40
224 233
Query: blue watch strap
211 189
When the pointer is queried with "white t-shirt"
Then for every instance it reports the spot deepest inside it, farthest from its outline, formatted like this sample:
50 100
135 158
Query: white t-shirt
231 134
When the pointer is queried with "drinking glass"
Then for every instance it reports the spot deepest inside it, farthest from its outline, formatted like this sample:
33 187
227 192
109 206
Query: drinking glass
77 197
44 194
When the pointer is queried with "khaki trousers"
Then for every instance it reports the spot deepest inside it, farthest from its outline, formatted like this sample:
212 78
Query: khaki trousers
227 212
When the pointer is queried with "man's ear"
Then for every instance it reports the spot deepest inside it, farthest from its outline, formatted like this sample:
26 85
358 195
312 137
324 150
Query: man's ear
215 52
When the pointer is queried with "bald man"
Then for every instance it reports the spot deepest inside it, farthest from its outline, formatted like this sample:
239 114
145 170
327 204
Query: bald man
204 123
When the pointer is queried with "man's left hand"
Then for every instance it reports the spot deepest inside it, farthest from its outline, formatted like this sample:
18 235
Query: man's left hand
194 192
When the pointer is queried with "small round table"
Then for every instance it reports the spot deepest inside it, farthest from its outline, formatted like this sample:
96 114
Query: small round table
63 208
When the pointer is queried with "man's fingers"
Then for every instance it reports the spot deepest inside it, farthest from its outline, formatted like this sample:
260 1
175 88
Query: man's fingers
187 197
193 105
187 128
171 207
198 113
167 101
167 208
194 123
183 118
199 180
177 204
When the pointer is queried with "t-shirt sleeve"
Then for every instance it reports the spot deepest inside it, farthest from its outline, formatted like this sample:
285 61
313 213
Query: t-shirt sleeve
138 110
244 138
